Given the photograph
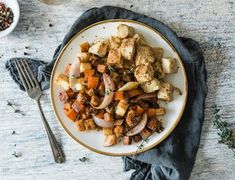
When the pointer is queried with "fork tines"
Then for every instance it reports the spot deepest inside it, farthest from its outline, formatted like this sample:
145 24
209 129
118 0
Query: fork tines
26 75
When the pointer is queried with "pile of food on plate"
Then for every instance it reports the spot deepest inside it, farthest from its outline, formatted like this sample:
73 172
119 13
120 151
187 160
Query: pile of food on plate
116 84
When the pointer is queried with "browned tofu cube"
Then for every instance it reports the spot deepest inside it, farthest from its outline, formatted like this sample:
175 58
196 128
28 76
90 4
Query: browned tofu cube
165 92
89 124
145 133
107 131
119 122
80 125
158 53
95 100
90 92
137 138
115 58
128 48
152 124
110 140
169 65
101 68
82 97
144 73
144 54
159 70
130 118
139 39
78 107
125 31
108 117
160 111
84 47
118 131
114 42
100 48
127 140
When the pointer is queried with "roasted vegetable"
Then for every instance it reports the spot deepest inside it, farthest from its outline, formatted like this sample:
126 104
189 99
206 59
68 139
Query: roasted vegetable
122 107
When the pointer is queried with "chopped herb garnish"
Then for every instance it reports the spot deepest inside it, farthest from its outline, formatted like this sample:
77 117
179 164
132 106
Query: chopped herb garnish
226 134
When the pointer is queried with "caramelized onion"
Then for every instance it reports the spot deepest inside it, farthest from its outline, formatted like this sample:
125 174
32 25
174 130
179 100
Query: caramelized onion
139 127
109 92
101 122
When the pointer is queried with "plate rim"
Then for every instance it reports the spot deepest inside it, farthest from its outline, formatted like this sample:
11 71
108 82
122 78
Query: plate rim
58 59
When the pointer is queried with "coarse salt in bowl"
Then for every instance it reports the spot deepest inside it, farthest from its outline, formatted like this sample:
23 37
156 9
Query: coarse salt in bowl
13 4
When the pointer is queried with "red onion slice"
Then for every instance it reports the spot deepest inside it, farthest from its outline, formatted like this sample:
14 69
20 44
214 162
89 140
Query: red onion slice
139 127
101 122
109 92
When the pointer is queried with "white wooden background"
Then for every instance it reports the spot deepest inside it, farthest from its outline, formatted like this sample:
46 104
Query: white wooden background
212 23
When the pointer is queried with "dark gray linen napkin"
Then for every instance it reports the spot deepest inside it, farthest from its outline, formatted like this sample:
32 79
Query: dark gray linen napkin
174 158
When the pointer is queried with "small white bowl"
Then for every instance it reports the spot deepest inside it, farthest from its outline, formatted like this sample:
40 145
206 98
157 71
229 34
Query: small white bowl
13 4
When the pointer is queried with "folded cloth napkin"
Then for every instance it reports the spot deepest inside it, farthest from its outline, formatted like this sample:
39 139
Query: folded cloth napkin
174 158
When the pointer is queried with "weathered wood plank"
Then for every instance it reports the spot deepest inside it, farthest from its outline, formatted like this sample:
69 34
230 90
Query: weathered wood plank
212 23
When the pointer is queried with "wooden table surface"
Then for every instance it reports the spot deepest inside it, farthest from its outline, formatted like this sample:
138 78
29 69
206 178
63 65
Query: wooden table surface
212 23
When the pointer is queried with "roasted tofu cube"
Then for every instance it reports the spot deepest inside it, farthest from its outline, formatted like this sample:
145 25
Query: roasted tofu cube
82 97
84 47
127 140
84 56
100 48
159 70
115 58
118 131
107 131
169 65
90 92
158 53
89 124
95 100
63 81
128 48
130 118
160 111
78 107
152 124
122 107
108 117
80 125
145 133
124 31
119 122
110 140
139 39
151 86
144 73
85 66
137 138
144 54
114 42
165 92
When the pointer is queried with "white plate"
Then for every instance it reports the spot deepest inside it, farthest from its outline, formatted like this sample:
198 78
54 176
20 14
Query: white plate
93 140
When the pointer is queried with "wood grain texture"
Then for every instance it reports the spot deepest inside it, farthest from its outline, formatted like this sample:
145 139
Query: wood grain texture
212 23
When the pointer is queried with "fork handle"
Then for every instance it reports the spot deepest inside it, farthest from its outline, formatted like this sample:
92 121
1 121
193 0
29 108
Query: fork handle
56 149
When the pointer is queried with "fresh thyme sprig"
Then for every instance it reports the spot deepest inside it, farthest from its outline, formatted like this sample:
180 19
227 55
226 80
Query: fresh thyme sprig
226 134
140 147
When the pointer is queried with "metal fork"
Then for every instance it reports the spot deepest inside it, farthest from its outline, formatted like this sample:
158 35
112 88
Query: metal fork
34 91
